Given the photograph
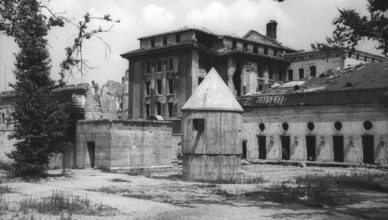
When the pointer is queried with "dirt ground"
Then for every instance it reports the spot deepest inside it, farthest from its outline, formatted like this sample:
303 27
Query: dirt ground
165 196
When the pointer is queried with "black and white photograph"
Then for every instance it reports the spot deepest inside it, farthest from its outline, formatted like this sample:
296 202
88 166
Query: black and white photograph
193 109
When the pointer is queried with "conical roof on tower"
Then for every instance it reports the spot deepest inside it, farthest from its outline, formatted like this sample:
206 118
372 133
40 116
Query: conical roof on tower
212 94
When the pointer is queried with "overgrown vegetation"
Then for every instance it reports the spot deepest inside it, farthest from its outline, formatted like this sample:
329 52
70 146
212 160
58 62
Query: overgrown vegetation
59 202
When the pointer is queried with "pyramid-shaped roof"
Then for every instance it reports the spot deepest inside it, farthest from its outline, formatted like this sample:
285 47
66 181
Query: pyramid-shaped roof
212 94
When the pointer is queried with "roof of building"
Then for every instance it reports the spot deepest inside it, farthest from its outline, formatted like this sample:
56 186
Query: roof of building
183 29
363 83
265 40
212 94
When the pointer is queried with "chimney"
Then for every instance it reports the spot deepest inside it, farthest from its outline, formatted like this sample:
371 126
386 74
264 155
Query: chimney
271 29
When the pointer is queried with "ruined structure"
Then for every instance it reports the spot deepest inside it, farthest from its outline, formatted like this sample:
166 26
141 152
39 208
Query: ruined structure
211 122
340 117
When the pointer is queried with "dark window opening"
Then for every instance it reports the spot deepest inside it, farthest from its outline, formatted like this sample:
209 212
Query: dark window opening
310 145
275 52
338 125
170 86
200 79
285 126
367 125
255 50
313 71
199 124
244 149
373 60
338 148
147 108
368 148
357 56
178 38
348 84
262 126
170 108
92 152
2 117
158 108
261 87
245 47
237 79
159 66
290 75
310 126
265 51
285 141
170 64
234 44
148 66
301 73
164 41
262 147
148 87
153 43
270 72
349 54
159 86
365 58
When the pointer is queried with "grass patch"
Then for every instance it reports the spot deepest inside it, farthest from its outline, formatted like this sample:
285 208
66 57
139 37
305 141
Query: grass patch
356 180
119 180
59 202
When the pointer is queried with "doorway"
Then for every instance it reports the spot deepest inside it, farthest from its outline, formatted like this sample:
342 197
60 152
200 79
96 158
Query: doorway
368 148
338 147
262 147
237 79
285 147
310 145
92 152
244 149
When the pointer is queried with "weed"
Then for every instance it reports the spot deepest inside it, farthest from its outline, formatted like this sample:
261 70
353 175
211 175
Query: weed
59 202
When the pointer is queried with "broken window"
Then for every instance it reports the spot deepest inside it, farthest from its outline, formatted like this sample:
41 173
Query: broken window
170 63
245 47
158 108
164 41
260 87
313 71
178 38
147 109
234 44
152 42
148 88
148 66
301 73
159 87
275 52
170 86
265 50
159 66
199 124
255 50
170 109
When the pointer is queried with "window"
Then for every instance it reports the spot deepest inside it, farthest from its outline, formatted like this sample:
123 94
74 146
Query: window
290 75
265 50
199 124
159 66
301 73
285 126
255 49
262 126
310 126
158 108
338 125
170 63
159 87
245 47
234 44
147 109
170 86
2 119
349 54
148 88
164 41
365 58
367 125
270 73
170 108
275 52
200 79
358 56
313 71
178 38
152 42
148 66
373 60
260 87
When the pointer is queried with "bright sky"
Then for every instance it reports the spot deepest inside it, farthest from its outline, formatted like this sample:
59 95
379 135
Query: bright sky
300 23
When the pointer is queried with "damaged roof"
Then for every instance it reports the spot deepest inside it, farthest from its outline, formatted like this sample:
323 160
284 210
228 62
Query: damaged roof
363 83
212 94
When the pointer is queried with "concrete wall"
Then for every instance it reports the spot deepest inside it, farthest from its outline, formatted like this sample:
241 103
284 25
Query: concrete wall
123 144
323 117
322 65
